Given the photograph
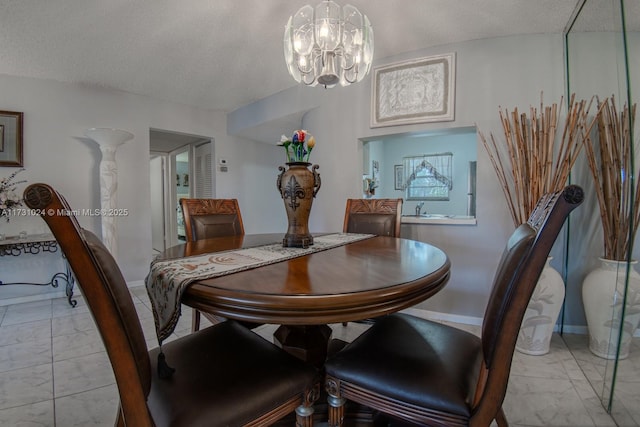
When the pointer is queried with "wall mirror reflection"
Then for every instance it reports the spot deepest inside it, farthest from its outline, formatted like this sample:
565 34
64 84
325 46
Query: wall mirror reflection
603 60
434 172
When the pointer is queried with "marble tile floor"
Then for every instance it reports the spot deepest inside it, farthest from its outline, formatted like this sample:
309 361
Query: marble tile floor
599 371
54 371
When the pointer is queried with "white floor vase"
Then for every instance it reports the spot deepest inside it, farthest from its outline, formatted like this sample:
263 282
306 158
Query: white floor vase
542 313
602 296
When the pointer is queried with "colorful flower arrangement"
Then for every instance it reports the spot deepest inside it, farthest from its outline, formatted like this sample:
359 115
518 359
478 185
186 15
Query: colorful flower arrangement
9 199
299 146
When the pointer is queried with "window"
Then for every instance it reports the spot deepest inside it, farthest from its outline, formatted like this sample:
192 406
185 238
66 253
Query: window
428 177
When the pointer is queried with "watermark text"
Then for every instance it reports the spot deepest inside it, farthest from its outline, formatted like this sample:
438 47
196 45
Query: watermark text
18 212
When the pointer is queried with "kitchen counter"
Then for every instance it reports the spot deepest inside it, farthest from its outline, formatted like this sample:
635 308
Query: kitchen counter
439 219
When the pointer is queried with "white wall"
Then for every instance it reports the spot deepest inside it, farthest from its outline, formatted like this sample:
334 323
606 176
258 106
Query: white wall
56 152
157 207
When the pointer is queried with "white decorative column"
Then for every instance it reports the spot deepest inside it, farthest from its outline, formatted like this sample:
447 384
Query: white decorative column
109 140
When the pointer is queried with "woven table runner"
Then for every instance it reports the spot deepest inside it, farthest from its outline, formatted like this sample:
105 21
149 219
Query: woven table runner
167 280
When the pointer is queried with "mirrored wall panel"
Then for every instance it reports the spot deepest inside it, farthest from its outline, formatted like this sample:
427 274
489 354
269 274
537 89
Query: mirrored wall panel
602 307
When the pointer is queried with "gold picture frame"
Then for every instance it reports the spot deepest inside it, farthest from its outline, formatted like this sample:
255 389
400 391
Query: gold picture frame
11 123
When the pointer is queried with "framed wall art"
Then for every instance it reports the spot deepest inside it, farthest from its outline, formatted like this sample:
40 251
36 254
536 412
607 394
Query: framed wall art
416 91
398 177
11 138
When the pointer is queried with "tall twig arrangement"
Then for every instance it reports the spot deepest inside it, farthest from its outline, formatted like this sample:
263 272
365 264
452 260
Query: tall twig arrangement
534 160
610 161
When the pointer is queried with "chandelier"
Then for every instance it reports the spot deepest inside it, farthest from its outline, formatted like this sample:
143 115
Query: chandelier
328 45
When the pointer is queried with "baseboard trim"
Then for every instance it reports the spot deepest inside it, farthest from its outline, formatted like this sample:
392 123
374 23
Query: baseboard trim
32 298
59 293
435 315
477 321
135 283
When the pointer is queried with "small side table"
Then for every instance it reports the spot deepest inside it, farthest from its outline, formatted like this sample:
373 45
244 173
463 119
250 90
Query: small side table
33 245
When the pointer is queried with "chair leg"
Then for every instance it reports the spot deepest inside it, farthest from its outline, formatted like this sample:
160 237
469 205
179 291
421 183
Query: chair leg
304 412
304 416
501 419
336 410
195 320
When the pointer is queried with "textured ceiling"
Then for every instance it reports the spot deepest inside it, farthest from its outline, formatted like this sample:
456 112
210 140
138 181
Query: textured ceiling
223 54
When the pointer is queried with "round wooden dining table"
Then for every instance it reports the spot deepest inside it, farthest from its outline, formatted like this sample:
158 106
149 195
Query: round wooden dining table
360 280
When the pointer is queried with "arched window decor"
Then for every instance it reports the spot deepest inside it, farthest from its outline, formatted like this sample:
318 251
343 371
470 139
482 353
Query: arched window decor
428 176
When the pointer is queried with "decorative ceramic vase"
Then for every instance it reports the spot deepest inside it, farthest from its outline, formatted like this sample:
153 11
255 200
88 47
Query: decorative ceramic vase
542 313
298 186
602 296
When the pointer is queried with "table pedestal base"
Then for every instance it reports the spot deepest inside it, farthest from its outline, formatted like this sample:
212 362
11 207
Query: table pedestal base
308 343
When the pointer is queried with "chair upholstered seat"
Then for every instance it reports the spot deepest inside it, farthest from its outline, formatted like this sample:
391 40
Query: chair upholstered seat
221 395
424 371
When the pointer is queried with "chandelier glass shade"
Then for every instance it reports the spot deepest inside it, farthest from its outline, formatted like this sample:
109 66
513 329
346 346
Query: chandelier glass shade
328 45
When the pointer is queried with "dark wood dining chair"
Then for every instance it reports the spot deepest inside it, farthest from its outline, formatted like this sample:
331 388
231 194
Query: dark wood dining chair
244 381
373 216
207 218
429 373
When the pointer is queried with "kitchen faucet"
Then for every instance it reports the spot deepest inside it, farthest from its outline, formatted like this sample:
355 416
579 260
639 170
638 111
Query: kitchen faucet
419 208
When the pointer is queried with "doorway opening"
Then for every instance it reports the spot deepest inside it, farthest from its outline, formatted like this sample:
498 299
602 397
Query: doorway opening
181 165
